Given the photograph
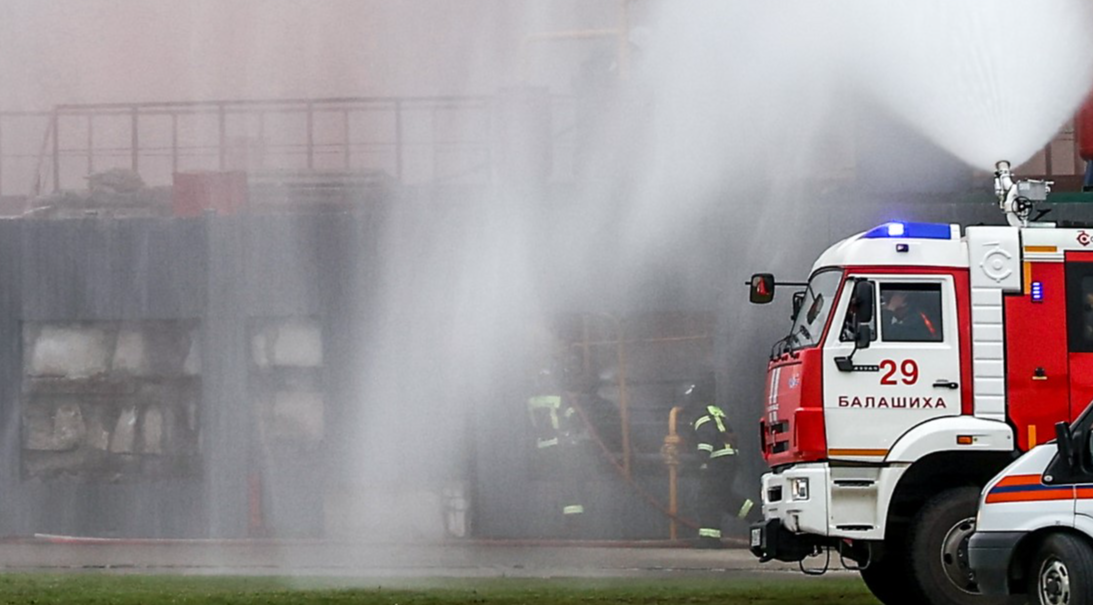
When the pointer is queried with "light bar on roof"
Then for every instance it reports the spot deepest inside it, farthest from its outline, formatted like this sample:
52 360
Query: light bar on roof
901 229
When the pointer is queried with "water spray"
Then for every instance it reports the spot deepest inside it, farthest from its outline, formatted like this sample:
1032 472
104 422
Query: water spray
1017 198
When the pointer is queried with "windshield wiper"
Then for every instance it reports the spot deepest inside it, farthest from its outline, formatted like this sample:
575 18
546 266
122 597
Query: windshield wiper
779 347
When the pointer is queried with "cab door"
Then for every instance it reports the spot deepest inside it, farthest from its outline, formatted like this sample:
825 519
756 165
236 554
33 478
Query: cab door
909 374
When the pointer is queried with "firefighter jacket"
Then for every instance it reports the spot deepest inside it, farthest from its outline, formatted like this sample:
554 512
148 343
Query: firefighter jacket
554 420
713 434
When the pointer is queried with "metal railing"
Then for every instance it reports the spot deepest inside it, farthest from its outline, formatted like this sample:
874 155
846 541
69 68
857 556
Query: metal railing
417 140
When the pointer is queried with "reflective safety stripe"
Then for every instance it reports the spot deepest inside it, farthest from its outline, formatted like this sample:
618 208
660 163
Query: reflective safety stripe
706 447
727 451
545 401
547 442
709 533
745 509
715 414
573 509
550 403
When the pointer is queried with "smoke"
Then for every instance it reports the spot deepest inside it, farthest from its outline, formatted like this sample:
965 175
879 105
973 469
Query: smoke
706 162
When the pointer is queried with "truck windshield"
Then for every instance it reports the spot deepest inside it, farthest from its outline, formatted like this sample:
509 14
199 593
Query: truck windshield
816 307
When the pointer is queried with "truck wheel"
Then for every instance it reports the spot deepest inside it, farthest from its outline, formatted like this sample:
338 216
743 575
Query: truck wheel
938 550
887 577
1061 572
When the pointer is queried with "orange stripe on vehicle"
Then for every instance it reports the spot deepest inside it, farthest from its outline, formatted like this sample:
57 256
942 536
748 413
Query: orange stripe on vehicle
1085 493
1042 249
1028 278
1033 496
1019 480
854 452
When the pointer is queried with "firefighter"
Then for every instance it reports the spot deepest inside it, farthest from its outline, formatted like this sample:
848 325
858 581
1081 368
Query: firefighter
906 320
558 431
718 465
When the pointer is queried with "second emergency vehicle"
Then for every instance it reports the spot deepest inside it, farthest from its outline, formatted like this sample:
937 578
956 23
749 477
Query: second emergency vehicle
921 361
1034 530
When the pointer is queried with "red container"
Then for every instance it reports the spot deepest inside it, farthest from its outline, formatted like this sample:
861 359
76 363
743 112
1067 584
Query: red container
195 193
1084 130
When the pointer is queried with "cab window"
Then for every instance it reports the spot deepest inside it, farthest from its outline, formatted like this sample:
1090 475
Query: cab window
849 321
1079 287
911 312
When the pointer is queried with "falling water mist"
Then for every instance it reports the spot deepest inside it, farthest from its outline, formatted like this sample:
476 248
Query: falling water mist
746 136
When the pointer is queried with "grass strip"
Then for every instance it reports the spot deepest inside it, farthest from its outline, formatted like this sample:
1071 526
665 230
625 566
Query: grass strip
106 588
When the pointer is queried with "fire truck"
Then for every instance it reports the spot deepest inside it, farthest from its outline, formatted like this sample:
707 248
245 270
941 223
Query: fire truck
921 361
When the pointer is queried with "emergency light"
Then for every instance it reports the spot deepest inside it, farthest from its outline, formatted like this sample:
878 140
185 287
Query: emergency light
1037 291
910 230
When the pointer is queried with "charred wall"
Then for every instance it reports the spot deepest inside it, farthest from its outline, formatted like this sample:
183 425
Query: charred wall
175 377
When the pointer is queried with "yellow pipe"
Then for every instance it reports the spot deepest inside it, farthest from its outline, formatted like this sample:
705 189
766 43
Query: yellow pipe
671 454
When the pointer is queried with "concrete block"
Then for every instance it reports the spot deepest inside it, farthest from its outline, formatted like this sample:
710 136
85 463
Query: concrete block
125 431
69 352
167 347
38 427
130 353
298 343
298 416
98 424
68 425
53 428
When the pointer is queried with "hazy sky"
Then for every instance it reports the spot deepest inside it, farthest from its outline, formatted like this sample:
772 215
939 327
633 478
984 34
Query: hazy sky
67 51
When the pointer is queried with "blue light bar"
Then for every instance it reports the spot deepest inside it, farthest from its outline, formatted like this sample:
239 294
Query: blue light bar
1037 291
910 231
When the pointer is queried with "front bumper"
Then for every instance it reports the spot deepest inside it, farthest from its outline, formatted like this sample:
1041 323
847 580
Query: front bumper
990 554
809 515
771 540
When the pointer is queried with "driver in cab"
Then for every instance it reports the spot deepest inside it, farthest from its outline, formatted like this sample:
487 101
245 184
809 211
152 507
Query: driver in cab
906 320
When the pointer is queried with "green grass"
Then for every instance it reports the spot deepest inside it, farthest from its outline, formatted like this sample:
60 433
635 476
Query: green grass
87 588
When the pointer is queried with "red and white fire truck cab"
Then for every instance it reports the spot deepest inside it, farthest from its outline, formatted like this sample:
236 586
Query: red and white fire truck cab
921 361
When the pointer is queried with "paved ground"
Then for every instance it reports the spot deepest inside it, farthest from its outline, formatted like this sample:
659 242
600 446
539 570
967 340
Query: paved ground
380 560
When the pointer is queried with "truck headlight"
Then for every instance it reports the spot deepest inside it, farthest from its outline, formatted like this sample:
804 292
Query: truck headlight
798 488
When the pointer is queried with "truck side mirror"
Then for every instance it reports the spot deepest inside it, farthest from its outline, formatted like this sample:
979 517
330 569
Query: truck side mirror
1064 441
762 288
863 301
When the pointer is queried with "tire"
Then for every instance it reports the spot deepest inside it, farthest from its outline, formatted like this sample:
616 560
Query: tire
1061 572
937 556
887 577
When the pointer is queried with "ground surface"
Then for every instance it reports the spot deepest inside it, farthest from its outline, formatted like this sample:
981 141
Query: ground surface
460 559
152 572
104 587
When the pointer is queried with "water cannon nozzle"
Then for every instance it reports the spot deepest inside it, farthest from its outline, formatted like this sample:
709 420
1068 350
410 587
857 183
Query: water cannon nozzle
1016 198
